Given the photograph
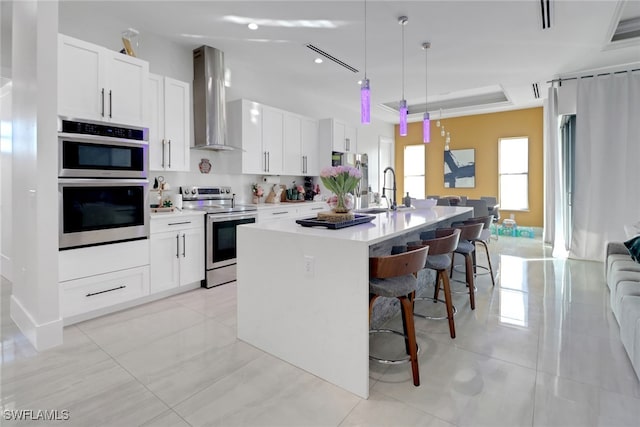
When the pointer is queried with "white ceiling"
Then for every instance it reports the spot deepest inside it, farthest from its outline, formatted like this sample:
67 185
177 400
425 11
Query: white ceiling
477 46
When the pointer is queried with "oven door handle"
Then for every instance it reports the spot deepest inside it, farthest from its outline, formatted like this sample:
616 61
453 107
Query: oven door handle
230 217
101 182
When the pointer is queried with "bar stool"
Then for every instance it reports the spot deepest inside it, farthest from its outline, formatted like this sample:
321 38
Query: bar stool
441 244
485 236
468 233
394 276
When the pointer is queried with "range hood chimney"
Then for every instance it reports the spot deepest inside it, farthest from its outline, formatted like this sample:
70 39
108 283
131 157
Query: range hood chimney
209 110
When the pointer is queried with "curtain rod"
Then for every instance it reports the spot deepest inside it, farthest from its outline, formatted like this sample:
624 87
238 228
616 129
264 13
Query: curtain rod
588 76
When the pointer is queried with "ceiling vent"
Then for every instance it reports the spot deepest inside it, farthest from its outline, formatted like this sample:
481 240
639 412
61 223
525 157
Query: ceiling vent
536 91
332 58
627 29
545 13
489 99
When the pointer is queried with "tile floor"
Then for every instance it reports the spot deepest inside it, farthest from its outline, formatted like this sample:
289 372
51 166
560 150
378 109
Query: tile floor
541 349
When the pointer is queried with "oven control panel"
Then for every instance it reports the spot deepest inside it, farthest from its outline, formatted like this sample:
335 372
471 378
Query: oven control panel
196 192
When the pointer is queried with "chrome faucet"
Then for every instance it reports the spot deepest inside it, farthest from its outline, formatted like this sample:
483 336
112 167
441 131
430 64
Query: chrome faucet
393 205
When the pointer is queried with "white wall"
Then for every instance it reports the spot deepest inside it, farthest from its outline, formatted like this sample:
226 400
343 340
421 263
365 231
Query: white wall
174 60
34 302
6 217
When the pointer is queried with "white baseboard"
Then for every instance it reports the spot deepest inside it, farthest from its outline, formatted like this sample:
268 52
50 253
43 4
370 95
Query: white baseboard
42 336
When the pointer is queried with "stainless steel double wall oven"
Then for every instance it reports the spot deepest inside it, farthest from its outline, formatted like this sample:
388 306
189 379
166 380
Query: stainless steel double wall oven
102 183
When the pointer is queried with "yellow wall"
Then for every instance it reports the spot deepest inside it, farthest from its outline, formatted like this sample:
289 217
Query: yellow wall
482 133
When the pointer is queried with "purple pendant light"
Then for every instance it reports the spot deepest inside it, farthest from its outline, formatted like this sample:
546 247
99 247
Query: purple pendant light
426 123
365 94
403 103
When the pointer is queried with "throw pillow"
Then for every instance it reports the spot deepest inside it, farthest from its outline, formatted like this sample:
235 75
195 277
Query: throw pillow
633 246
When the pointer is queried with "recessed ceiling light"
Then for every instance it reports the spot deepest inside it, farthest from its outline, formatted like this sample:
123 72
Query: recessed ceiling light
253 26
318 60
360 82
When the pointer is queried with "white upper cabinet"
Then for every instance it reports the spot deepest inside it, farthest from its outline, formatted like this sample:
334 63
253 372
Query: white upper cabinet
96 83
269 141
273 139
169 123
339 135
310 150
300 145
293 160
244 131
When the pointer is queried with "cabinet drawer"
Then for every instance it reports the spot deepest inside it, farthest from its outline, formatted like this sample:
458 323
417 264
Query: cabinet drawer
95 292
176 222
272 214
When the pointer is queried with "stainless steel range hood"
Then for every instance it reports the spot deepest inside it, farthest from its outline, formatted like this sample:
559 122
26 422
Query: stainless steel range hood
209 109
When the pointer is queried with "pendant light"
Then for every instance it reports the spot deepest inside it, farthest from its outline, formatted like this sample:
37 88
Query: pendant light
426 123
365 95
403 102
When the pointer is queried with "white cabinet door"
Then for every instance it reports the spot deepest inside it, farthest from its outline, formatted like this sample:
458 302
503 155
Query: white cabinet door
191 255
351 139
272 139
126 88
81 79
338 133
165 260
293 160
156 123
310 153
244 131
169 123
177 98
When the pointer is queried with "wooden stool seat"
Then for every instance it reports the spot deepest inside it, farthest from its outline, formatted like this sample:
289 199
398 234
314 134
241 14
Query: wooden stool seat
441 244
395 276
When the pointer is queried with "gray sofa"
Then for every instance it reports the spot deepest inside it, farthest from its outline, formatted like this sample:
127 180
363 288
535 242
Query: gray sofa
623 279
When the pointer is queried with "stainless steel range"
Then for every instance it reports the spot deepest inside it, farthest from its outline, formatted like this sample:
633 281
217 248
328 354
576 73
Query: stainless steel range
223 216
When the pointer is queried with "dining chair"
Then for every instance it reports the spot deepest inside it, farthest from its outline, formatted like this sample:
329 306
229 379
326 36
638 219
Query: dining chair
494 209
479 207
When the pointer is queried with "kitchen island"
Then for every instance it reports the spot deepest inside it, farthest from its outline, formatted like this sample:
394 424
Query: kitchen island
303 292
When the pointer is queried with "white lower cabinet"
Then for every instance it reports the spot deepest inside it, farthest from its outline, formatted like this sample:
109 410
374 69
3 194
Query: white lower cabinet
95 292
177 252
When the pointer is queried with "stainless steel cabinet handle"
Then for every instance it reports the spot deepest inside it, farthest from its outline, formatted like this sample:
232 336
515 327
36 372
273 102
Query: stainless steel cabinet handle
169 153
279 213
107 290
179 223
163 152
178 245
110 105
184 245
265 161
102 102
317 209
268 161
348 144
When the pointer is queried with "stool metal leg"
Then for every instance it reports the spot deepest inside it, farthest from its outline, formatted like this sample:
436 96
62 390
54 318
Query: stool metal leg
486 249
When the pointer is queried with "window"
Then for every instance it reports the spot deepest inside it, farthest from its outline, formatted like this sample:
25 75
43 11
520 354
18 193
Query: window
514 173
414 170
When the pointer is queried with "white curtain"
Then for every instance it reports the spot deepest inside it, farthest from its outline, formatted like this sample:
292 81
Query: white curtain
554 193
607 175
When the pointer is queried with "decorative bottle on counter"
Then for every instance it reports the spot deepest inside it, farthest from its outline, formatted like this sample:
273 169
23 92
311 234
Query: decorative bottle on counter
407 200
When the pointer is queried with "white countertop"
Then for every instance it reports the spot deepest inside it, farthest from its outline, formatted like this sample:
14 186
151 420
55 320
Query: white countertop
384 226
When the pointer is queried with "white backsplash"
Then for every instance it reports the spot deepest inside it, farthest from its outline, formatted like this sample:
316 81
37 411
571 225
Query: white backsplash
240 183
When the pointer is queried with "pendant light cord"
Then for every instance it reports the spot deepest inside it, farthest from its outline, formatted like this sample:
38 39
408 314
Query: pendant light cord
365 39
403 24
426 80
